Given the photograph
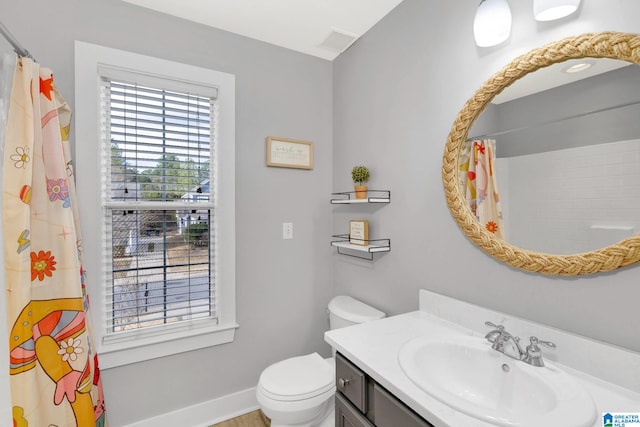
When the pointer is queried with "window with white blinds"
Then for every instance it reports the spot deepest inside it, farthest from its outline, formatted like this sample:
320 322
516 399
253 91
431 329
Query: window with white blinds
158 162
155 176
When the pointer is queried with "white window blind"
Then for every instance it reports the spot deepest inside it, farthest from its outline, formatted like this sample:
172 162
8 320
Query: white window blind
159 199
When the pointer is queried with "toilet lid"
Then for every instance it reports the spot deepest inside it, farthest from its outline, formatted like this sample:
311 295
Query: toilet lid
297 378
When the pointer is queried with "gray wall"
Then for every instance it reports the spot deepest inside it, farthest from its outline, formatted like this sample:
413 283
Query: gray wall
397 92
597 110
282 286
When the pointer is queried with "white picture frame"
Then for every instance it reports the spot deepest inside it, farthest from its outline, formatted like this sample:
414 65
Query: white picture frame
289 153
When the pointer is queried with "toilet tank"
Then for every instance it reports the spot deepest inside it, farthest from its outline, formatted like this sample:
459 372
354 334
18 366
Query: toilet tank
346 311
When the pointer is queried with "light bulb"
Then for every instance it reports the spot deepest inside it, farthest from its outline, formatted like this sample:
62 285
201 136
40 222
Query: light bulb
549 10
492 24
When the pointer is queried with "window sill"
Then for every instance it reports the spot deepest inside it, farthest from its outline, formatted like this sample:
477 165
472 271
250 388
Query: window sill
139 346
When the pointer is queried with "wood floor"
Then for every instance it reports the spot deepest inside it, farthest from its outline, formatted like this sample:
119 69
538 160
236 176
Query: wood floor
252 419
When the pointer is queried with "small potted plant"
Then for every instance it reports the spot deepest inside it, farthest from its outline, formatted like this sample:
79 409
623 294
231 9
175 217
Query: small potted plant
360 176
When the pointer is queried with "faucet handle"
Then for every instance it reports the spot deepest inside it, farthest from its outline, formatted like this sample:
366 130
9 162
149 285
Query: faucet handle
533 354
492 325
548 344
494 336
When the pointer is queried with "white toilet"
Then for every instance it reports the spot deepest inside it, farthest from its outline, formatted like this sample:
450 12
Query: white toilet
300 391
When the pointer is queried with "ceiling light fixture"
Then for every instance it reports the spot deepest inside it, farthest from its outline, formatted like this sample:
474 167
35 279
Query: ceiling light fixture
549 10
492 24
578 67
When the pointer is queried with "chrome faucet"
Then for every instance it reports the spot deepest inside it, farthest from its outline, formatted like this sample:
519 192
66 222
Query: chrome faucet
508 344
491 336
499 337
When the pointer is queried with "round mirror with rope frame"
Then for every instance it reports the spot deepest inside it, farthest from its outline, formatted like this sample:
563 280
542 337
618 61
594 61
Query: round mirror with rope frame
622 46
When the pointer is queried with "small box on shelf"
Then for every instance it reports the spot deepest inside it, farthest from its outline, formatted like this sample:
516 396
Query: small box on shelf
359 232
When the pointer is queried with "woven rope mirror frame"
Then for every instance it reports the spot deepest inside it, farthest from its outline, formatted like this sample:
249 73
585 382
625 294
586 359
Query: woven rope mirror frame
612 45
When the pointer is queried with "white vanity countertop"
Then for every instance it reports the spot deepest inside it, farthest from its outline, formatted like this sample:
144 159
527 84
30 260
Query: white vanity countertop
374 347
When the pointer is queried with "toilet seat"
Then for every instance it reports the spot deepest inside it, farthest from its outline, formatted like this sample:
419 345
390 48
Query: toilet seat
297 378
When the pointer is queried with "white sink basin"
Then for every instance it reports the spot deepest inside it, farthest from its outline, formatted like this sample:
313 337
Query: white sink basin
466 374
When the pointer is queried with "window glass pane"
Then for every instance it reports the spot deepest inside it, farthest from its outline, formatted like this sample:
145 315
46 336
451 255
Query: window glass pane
161 267
160 144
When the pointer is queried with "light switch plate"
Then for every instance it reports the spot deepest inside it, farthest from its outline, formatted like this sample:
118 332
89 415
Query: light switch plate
287 230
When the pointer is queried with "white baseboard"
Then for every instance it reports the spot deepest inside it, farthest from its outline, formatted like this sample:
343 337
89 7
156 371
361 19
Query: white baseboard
207 413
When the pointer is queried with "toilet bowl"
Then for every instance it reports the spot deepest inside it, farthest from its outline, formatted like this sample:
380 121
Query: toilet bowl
299 391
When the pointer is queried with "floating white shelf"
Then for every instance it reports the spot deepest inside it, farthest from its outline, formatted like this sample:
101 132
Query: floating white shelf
374 246
360 248
348 197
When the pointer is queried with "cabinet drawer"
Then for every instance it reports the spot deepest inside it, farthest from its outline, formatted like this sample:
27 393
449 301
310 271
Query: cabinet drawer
347 415
388 411
351 382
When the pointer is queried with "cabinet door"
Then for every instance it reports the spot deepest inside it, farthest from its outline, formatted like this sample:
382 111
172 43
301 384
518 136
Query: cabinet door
388 411
347 415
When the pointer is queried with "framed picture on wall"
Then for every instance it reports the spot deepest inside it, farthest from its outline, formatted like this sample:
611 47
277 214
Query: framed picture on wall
289 153
359 232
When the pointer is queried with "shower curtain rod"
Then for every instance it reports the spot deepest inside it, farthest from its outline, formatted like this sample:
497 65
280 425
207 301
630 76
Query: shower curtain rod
17 47
550 122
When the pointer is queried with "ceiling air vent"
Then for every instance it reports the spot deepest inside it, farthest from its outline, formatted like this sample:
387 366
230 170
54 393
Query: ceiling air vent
338 40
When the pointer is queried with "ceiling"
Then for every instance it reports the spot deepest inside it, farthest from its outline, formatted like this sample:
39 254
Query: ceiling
326 28
322 28
554 76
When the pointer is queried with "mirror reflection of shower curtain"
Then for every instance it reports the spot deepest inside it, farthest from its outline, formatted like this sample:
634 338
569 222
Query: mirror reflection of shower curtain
478 180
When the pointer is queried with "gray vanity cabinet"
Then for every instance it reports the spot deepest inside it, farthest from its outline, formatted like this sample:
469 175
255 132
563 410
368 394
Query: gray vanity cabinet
362 402
347 415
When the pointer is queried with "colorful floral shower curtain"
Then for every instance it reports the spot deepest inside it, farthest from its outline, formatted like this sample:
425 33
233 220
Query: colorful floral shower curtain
478 179
54 375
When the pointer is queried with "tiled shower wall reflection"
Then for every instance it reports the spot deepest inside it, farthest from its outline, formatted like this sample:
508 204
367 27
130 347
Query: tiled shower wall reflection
571 201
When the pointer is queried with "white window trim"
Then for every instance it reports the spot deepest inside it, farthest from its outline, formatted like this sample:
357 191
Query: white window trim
185 336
